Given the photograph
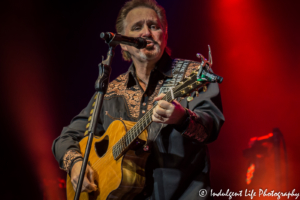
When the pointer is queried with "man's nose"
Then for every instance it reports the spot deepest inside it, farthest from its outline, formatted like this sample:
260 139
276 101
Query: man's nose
146 32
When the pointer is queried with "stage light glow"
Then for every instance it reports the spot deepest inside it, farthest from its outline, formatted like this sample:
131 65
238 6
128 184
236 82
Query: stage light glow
30 105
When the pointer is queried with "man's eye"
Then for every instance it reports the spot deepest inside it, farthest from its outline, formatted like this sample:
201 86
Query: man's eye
154 27
136 28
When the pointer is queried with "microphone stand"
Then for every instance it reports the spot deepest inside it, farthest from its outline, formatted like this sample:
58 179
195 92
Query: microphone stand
101 88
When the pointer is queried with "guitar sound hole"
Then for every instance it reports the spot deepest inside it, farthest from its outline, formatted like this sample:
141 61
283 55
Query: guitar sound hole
101 147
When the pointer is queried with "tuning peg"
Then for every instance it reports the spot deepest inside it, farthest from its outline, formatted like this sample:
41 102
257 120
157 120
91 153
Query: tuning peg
204 88
187 78
190 98
194 72
197 93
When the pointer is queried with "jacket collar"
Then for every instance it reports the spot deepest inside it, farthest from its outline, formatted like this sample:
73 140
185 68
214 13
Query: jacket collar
163 66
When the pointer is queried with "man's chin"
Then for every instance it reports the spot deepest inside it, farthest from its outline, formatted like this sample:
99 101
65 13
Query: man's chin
150 54
150 48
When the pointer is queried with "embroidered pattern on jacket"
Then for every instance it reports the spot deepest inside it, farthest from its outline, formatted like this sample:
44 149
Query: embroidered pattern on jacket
131 95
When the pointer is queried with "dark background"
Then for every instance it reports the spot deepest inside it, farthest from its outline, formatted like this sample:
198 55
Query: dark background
49 56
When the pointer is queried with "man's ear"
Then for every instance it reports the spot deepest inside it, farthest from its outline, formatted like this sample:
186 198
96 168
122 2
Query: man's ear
124 47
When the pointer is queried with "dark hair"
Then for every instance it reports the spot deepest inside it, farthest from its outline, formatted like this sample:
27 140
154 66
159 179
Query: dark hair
128 6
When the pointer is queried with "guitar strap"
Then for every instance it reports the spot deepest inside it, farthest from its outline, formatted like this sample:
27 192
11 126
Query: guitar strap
179 68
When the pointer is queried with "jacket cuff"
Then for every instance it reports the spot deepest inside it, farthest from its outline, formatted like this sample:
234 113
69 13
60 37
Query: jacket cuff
195 129
69 157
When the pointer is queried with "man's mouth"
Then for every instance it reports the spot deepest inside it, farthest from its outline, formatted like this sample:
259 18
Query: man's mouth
150 43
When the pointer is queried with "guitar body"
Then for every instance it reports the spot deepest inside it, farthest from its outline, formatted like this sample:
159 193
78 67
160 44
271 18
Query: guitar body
123 178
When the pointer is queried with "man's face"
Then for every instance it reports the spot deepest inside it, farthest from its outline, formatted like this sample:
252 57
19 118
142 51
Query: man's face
144 22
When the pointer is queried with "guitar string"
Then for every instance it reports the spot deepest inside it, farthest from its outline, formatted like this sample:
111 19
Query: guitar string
96 164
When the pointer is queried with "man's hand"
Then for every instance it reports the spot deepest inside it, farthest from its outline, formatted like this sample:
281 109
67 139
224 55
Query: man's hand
88 184
168 113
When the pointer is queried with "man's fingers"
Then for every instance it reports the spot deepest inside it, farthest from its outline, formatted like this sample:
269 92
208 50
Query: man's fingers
164 112
165 105
159 97
157 119
91 177
87 186
160 112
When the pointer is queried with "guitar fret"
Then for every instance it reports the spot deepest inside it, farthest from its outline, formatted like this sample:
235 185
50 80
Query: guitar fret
119 146
126 140
123 143
132 136
137 133
134 131
145 123
129 136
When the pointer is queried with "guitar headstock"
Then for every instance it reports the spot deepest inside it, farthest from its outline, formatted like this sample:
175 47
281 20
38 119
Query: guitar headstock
199 77
189 84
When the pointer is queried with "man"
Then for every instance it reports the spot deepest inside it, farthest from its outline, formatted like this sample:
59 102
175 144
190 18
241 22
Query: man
178 166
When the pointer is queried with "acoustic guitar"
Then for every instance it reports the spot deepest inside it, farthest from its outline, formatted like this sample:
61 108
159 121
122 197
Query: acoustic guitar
118 157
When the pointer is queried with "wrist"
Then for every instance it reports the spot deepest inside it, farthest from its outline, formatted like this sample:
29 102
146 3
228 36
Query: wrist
184 122
76 160
184 118
69 157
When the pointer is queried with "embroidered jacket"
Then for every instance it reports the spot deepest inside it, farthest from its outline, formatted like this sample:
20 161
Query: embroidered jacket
176 147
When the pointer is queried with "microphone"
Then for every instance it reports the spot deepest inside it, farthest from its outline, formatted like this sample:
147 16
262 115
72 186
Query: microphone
116 39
